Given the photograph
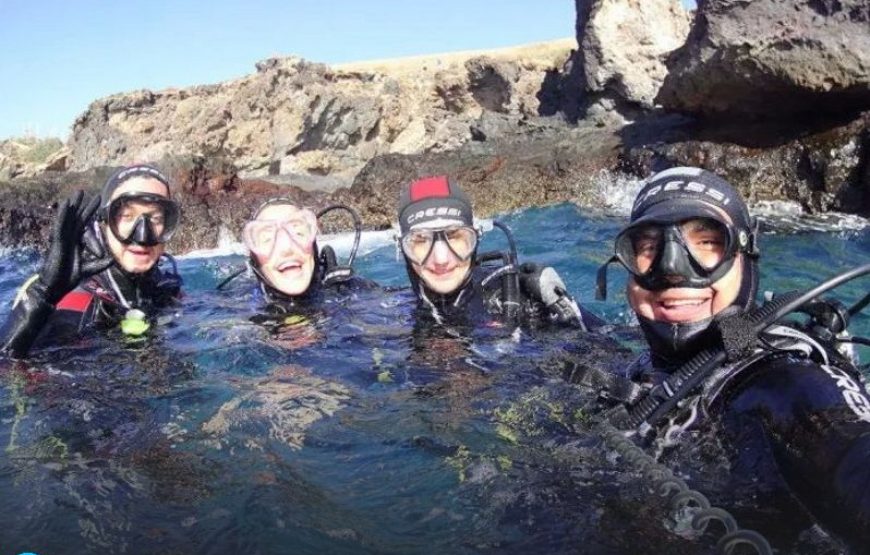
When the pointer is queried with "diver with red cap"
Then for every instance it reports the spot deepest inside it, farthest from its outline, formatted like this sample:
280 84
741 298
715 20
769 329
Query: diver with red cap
781 401
451 278
103 263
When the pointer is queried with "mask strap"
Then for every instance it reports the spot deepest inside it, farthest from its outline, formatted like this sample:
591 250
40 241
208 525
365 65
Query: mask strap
752 249
601 279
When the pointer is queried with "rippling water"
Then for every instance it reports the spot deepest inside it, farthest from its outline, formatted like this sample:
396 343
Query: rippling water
348 431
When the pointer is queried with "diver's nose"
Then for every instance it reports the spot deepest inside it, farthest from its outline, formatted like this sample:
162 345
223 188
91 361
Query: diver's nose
440 252
284 243
671 263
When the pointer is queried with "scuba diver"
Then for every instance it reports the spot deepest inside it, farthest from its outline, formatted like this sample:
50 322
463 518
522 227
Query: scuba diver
102 266
293 274
450 278
785 407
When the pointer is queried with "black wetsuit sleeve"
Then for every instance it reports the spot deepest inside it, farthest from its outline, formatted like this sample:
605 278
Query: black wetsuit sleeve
816 420
27 319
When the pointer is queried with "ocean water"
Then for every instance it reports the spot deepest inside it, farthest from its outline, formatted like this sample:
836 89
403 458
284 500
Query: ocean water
350 429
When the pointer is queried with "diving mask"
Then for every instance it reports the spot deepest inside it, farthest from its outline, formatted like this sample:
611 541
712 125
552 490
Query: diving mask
418 244
142 218
300 226
693 253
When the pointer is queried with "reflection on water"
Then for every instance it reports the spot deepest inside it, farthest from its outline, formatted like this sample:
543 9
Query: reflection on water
343 430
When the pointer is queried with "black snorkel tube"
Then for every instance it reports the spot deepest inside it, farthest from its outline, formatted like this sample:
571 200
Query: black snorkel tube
511 283
333 272
739 334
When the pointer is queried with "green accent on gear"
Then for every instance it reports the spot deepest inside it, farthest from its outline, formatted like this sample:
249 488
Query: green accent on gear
295 319
134 323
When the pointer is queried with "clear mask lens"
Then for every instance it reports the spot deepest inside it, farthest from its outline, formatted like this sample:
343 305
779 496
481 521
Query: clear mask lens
262 236
419 244
707 241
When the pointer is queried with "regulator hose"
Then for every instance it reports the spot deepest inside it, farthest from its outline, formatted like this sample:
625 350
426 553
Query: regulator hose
684 501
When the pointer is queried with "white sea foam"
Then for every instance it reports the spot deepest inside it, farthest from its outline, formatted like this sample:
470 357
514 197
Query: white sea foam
789 217
614 192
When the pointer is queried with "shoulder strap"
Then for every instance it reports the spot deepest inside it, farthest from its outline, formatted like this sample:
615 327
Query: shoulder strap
780 339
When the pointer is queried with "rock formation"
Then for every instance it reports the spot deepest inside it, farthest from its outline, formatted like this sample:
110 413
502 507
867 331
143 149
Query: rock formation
295 117
516 127
822 169
619 66
772 59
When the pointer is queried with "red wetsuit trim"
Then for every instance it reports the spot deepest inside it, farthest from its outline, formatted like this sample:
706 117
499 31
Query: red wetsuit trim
77 301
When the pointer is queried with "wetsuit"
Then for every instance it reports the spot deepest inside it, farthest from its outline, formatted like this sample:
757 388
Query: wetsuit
322 288
793 429
100 301
481 299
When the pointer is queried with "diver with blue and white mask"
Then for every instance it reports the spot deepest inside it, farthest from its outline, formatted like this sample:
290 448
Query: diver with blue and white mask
103 264
779 400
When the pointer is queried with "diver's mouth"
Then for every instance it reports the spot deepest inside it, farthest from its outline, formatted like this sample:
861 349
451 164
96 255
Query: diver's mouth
441 274
683 309
139 250
289 266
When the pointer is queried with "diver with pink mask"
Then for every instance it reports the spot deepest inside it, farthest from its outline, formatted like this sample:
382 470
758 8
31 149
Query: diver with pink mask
281 238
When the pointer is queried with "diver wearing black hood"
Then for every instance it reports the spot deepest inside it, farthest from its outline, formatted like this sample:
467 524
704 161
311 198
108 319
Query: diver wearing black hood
790 414
440 246
102 267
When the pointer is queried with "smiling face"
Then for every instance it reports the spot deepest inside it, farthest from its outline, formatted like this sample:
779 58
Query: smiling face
679 305
443 271
133 258
285 256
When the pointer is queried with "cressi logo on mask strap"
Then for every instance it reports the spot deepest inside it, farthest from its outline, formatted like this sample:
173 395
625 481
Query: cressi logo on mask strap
706 192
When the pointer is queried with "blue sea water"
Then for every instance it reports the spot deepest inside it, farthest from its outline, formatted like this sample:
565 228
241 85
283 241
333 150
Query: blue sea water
350 430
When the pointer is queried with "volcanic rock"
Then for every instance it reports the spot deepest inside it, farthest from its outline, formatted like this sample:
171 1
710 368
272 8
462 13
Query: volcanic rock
768 59
297 117
619 66
823 170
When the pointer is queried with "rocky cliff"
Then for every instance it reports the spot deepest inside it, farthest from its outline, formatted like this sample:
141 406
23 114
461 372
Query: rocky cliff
297 117
768 93
772 59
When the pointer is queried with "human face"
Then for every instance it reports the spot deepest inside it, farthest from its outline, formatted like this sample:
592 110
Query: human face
678 305
134 258
441 257
281 240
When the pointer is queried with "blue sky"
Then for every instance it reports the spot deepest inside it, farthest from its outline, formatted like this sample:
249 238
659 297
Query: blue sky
56 56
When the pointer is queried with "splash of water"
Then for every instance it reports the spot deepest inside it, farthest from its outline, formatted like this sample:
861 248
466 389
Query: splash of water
614 192
789 217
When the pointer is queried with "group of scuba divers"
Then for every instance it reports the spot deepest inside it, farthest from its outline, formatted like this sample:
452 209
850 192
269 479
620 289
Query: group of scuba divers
785 394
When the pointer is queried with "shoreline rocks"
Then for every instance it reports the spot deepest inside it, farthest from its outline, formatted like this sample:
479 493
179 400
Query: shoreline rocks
517 127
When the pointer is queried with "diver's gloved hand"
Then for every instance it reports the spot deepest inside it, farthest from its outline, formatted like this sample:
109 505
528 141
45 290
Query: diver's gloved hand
545 285
72 256
69 260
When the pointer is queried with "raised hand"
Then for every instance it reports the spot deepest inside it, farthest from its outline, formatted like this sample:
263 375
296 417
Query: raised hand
71 257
